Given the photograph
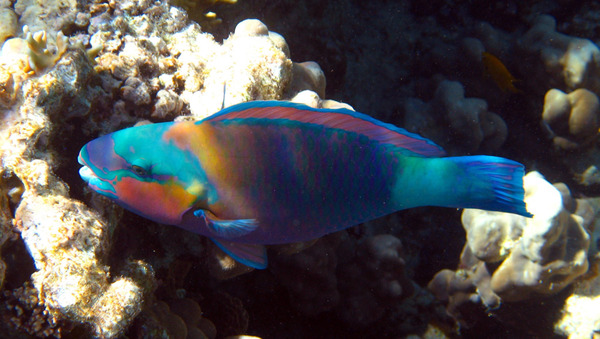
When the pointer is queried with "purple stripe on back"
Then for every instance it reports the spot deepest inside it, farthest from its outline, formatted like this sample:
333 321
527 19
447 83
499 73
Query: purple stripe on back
339 120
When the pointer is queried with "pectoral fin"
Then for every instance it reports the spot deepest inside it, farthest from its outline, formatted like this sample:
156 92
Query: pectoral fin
228 229
247 254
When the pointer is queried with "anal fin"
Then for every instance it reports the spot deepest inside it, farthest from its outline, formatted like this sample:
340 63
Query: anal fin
252 255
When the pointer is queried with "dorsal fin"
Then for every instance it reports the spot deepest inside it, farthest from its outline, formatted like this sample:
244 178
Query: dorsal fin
407 143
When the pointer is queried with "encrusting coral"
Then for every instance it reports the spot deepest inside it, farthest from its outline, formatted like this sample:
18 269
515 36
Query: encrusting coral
182 70
67 240
49 16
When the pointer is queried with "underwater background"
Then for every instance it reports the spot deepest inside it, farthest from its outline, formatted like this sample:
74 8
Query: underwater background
514 79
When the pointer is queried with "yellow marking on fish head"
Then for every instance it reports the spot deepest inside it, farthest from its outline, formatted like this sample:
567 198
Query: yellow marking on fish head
196 188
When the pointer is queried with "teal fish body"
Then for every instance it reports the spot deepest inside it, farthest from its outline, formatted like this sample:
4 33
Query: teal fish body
270 172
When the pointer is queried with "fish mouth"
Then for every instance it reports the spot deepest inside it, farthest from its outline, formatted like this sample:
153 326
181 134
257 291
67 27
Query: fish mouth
85 172
95 182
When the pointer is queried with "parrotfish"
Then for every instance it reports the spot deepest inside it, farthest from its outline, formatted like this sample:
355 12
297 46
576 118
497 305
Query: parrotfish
271 172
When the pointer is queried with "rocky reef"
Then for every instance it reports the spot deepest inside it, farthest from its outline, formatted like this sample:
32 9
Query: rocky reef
513 79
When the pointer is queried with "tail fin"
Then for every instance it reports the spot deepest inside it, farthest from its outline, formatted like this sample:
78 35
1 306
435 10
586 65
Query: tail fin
497 184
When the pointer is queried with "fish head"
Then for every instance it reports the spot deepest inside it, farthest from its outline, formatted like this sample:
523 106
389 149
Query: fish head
137 169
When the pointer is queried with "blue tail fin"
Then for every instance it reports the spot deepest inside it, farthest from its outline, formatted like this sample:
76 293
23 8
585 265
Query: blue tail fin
496 184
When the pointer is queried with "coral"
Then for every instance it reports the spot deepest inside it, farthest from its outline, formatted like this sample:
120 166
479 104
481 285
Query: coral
181 70
179 318
364 283
510 258
312 99
9 27
307 76
49 16
567 62
39 55
72 281
10 191
167 104
20 59
573 118
580 317
146 61
68 241
135 91
372 281
465 122
547 252
134 60
248 66
22 311
573 121
198 11
228 313
319 282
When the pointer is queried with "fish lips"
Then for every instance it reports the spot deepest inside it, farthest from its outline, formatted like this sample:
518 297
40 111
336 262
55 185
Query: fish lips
98 184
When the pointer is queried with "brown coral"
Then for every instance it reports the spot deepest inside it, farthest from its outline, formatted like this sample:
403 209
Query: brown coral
177 319
510 258
22 311
573 118
67 240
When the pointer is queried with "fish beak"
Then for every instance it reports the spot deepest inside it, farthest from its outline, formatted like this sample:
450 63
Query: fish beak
94 182
86 174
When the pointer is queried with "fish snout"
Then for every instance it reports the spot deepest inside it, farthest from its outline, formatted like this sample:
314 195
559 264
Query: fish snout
95 182
86 174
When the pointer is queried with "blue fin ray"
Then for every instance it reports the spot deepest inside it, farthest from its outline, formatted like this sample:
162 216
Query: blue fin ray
227 229
252 255
502 183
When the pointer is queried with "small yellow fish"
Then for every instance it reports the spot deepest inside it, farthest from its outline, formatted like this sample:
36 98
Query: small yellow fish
495 69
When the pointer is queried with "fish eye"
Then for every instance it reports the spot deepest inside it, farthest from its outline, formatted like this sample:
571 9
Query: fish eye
139 170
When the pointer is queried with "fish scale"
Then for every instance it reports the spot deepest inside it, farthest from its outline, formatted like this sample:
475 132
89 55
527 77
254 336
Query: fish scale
308 184
270 172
